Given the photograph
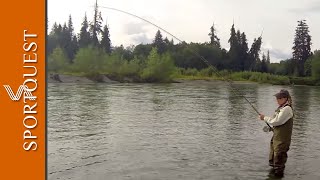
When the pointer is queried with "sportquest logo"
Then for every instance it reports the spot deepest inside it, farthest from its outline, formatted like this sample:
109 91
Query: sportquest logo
27 91
17 96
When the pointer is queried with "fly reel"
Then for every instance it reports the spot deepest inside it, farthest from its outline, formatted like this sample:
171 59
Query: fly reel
267 129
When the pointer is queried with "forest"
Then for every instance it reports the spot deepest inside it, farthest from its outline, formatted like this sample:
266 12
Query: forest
90 53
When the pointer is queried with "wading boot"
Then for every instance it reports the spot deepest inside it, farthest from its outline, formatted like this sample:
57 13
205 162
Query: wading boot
278 174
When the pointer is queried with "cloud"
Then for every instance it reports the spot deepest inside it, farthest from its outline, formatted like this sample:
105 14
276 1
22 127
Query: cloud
134 28
310 8
141 38
276 54
138 26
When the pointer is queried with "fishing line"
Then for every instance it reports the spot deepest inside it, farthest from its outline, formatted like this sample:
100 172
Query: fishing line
233 89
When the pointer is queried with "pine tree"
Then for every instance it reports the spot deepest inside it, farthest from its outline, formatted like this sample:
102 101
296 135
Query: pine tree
57 29
244 52
70 26
254 58
65 39
268 57
233 38
105 41
72 42
238 49
302 46
233 51
159 43
74 47
84 36
238 37
96 26
264 64
53 39
214 40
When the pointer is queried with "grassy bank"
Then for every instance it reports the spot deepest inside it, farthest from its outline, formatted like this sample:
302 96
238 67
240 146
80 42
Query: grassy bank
209 74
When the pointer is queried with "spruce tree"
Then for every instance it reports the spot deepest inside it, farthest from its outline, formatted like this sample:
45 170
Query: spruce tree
268 57
302 46
233 51
159 42
105 41
264 64
96 26
254 58
84 36
72 42
65 39
214 40
244 53
53 39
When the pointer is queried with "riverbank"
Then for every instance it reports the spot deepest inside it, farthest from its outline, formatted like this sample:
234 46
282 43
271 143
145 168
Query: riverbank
78 78
244 78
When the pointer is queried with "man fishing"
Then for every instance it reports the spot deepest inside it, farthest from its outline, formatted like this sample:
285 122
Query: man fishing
282 122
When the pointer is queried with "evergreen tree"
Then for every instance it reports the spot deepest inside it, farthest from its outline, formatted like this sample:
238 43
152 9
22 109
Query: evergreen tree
70 26
52 39
166 40
214 40
166 44
264 64
74 47
142 51
233 38
65 38
84 36
234 49
71 41
302 46
96 26
244 53
268 57
238 52
105 41
158 43
238 37
254 58
57 29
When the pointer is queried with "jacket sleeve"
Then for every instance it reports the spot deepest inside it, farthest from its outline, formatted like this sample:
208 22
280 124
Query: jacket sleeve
280 118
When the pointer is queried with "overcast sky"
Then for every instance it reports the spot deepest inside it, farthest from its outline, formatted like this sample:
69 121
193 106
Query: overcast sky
190 20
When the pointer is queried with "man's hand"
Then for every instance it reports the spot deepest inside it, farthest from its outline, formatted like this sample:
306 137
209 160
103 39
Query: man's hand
261 116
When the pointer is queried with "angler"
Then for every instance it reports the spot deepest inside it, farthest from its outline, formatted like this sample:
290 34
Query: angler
282 122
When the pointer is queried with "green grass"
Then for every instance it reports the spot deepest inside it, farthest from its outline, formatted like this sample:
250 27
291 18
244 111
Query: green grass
209 74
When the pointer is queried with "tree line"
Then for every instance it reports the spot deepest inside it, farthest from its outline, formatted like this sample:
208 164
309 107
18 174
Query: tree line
67 50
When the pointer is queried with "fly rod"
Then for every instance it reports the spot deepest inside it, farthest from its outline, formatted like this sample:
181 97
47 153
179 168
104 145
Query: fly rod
233 89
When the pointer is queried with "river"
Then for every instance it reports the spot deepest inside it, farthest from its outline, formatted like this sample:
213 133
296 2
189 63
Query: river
191 130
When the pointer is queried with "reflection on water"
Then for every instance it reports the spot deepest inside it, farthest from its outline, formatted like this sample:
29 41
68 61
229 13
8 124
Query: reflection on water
195 130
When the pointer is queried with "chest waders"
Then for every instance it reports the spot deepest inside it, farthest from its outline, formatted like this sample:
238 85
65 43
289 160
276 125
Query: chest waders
279 146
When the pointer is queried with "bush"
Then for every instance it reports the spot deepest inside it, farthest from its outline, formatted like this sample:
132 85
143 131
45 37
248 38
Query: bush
207 72
303 81
130 68
90 61
58 61
159 68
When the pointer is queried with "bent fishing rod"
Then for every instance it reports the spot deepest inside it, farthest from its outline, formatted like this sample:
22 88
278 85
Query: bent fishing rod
233 89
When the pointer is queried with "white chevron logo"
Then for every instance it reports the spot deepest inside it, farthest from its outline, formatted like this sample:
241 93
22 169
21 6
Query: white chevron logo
17 96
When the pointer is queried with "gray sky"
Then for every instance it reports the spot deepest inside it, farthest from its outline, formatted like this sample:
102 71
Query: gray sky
190 20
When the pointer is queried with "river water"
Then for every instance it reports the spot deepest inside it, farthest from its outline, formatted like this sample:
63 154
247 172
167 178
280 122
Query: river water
191 130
